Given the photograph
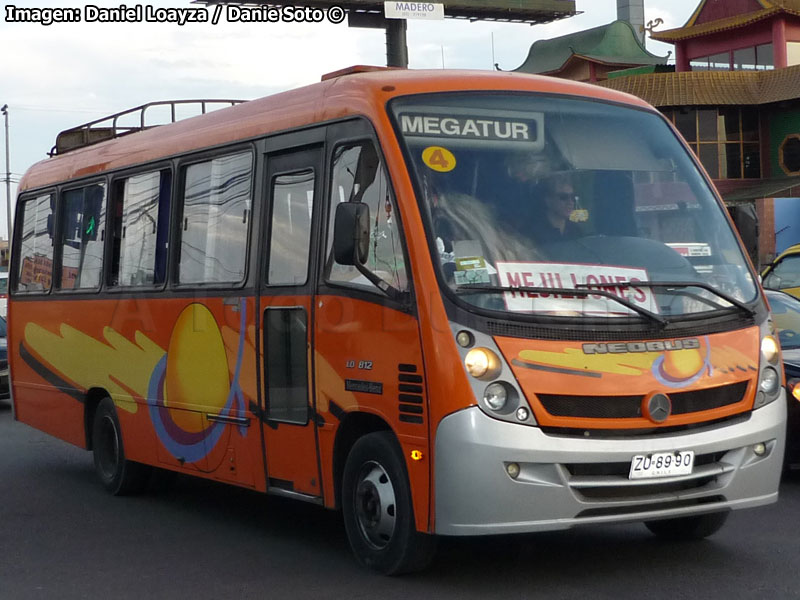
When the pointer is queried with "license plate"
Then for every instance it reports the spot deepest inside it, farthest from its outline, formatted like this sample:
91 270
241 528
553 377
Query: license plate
661 464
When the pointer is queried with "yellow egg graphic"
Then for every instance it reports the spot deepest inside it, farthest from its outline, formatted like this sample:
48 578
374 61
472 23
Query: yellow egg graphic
682 364
197 367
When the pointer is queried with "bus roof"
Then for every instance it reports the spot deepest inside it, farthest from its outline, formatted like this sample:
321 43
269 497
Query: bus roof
348 95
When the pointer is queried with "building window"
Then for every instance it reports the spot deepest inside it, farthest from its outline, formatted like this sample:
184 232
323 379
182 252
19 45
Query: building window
699 64
789 155
792 54
765 57
726 139
719 62
744 59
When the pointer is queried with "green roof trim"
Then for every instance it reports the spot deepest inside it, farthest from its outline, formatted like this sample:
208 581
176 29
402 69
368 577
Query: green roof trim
645 70
615 43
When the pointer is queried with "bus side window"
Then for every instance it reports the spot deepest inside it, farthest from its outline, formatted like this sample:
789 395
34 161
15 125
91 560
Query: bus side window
141 228
215 220
35 264
82 235
290 239
359 176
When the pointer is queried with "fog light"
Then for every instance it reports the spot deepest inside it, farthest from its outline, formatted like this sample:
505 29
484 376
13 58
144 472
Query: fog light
513 470
769 381
522 414
465 339
496 396
760 449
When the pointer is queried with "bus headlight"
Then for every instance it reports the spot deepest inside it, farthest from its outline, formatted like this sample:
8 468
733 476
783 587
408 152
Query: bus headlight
770 349
482 363
496 396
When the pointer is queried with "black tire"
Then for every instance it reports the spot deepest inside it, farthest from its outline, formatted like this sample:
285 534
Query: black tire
117 474
688 528
378 511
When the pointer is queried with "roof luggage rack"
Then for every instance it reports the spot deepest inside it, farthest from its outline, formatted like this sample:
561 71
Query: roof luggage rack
109 127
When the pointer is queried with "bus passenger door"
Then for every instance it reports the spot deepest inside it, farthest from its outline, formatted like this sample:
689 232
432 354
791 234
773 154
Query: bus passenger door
294 181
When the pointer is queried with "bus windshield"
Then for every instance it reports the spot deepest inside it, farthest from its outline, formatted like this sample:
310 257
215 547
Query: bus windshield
551 194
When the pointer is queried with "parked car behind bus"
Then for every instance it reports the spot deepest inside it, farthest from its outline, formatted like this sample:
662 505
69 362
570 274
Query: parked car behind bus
786 317
784 272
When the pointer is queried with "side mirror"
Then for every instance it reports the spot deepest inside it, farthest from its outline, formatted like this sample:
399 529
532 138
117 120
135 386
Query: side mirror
351 233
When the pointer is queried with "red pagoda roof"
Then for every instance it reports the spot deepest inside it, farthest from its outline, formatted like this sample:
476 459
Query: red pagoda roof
696 26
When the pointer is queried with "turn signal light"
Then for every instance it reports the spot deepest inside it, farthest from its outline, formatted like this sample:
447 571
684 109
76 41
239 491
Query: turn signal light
794 388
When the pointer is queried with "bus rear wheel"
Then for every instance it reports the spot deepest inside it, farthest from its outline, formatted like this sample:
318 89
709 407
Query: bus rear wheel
117 474
378 510
688 528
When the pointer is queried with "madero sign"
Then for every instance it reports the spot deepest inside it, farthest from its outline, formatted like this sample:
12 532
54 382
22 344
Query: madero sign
413 10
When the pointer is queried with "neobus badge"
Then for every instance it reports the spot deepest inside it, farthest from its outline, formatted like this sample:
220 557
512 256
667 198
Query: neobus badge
622 348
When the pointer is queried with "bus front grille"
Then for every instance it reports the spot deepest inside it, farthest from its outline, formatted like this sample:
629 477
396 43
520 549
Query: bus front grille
630 407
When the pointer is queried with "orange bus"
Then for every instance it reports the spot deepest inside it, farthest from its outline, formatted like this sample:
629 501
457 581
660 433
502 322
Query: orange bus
445 303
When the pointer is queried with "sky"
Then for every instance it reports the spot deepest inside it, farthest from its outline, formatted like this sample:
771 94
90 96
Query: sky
58 76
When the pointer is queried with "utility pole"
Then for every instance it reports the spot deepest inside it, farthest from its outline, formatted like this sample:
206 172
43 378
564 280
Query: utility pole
396 45
4 109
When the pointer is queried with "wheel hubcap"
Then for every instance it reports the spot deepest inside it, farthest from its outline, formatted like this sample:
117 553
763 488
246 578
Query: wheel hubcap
108 444
375 505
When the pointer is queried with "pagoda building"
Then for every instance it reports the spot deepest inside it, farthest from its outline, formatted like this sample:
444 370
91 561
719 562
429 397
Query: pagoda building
590 55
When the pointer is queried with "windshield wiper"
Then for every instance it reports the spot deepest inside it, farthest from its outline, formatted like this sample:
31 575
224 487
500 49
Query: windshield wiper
684 284
566 292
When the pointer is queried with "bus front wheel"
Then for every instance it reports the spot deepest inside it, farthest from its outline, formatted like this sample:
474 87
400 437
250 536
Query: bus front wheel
378 510
688 528
117 474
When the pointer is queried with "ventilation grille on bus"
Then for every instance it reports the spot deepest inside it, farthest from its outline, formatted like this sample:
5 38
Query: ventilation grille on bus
611 334
630 407
411 399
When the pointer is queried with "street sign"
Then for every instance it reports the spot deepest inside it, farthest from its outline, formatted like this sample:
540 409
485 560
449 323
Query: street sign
413 10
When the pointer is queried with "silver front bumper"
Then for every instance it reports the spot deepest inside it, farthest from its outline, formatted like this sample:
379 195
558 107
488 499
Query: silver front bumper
568 481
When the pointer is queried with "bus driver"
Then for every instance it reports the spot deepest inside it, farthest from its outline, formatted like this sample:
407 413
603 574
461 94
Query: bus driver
553 223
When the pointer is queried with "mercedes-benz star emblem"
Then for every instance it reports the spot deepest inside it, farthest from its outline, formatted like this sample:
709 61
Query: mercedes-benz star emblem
658 408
